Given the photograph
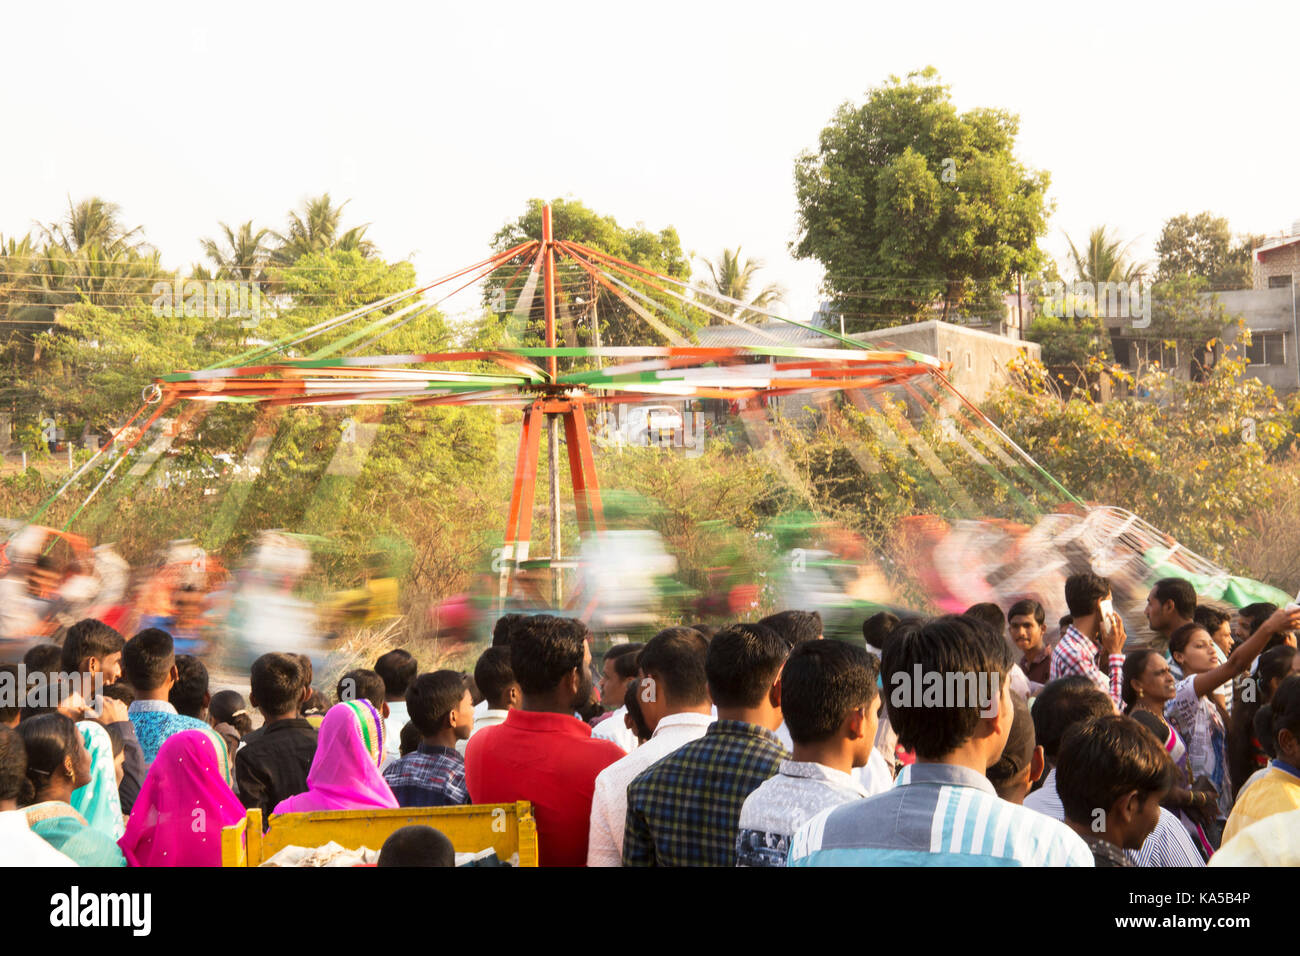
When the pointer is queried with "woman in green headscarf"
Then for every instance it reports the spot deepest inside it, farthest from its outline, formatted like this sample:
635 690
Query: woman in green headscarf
97 801
57 765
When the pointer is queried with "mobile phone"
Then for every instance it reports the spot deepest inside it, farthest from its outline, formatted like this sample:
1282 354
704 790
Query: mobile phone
1107 608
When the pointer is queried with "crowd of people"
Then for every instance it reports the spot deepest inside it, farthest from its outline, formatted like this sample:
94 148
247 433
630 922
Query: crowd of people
955 740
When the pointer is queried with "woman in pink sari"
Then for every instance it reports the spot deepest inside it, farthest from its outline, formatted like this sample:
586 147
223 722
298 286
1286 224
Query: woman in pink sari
184 803
344 773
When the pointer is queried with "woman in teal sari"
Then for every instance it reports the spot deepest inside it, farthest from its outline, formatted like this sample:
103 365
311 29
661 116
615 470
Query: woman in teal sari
97 801
58 765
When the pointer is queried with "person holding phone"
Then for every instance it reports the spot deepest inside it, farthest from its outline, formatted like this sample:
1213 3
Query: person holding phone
1095 625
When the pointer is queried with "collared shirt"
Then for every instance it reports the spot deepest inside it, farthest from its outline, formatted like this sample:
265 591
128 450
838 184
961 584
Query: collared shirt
614 729
393 724
1276 791
1105 853
1167 845
432 776
609 803
780 806
156 720
685 810
936 815
1076 654
1199 723
550 760
1039 671
274 765
490 717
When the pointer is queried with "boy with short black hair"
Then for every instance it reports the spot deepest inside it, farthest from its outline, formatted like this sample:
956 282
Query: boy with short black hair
828 697
362 684
618 671
149 666
949 699
501 693
273 766
1022 760
397 668
189 695
434 775
795 627
1112 774
92 647
417 845
1026 621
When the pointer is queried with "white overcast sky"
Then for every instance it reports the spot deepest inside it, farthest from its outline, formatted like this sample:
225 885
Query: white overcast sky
438 121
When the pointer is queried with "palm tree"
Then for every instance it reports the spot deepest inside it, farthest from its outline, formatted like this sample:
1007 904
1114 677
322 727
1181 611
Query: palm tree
92 222
1104 259
731 276
315 228
245 256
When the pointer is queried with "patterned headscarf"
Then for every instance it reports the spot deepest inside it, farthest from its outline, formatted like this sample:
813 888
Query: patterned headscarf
97 801
184 803
344 773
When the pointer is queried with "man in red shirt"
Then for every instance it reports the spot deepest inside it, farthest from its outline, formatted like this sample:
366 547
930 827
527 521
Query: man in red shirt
542 753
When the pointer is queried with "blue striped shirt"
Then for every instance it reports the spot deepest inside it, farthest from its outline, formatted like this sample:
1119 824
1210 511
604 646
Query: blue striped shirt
936 815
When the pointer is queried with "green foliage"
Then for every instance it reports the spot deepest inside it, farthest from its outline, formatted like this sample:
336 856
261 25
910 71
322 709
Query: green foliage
1104 259
906 200
1202 245
1068 341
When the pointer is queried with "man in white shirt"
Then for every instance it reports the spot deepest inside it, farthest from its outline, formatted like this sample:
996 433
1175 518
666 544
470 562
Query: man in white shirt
675 704
398 669
500 690
619 670
830 702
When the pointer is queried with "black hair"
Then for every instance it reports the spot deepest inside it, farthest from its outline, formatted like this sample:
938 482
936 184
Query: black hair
1019 750
121 690
276 683
89 638
1065 621
417 845
877 629
43 657
504 628
13 763
229 707
1210 618
1083 591
706 631
1135 665
1027 606
795 627
147 658
432 697
742 663
632 701
398 668
305 663
1264 731
1104 758
115 738
315 705
10 709
1274 664
544 649
1257 614
821 684
48 739
493 675
361 684
408 741
1285 707
624 657
990 614
191 685
675 656
1180 592
952 646
1182 634
1062 703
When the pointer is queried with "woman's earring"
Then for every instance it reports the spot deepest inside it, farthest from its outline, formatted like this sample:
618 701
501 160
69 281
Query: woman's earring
1139 693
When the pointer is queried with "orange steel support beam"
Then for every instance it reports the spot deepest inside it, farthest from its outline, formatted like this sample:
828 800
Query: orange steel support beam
548 250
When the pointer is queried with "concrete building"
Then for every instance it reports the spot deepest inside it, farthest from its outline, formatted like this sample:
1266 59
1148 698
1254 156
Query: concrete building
1277 261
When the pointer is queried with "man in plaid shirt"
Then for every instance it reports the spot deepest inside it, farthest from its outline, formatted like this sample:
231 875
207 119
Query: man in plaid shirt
1076 652
685 809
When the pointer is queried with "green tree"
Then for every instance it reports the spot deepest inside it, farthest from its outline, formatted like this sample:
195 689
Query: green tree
1104 259
245 255
1202 245
907 201
314 228
619 325
734 277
